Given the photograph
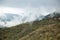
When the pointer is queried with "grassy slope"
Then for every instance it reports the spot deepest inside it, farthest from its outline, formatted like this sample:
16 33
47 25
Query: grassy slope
39 30
47 32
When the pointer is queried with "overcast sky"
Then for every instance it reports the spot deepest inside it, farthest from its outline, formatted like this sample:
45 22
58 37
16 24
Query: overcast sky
30 3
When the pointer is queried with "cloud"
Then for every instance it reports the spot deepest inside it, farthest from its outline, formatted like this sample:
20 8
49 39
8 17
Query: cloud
11 10
27 15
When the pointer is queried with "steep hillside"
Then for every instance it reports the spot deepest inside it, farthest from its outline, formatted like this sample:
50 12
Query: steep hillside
17 32
46 32
46 29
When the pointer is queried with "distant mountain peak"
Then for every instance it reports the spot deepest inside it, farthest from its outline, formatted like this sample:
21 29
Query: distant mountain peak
53 15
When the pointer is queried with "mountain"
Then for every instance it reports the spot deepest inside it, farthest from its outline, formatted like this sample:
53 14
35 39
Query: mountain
45 29
53 15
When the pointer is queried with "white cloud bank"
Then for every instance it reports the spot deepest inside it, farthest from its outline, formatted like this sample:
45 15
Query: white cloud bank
31 13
